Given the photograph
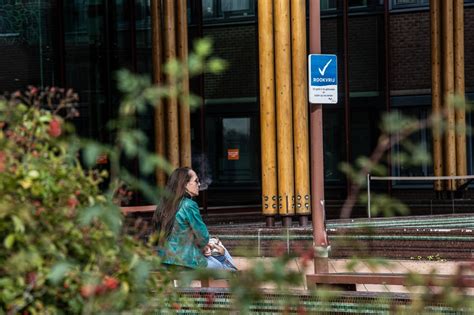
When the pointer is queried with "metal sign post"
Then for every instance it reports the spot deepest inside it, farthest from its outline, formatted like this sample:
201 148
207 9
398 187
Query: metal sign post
320 241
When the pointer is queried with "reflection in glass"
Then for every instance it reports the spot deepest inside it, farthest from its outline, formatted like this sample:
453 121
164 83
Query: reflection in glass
423 140
235 163
332 4
84 60
26 36
334 152
233 149
214 9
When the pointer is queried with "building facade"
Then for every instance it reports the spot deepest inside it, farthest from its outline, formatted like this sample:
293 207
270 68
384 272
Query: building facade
383 47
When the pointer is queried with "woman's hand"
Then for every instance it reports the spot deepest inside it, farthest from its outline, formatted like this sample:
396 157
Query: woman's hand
207 251
217 248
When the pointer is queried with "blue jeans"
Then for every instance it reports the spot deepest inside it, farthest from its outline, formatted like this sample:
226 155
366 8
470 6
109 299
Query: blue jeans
221 262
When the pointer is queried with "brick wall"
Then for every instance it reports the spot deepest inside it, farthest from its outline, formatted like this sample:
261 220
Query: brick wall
330 29
237 44
365 57
410 51
469 48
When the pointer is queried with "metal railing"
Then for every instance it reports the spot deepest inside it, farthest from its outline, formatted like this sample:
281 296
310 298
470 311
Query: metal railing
407 178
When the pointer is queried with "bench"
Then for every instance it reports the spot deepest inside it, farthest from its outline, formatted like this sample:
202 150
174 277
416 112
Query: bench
138 209
348 281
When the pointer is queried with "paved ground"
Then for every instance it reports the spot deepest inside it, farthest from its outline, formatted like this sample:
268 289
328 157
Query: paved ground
340 265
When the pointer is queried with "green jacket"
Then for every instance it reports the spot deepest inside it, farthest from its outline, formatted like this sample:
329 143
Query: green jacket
187 239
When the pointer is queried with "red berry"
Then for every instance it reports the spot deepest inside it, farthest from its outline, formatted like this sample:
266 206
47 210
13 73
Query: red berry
54 128
87 290
3 157
175 306
72 202
110 282
34 90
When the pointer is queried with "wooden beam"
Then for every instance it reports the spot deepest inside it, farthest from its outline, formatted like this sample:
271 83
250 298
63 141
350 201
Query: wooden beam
459 90
184 111
267 108
172 128
157 61
388 279
448 91
283 108
436 96
147 209
300 107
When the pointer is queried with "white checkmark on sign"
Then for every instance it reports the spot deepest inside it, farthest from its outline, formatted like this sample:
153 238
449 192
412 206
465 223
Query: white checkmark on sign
325 67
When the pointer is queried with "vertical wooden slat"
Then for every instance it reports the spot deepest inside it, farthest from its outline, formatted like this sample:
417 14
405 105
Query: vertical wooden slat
459 86
448 91
172 130
267 107
436 83
184 112
283 107
157 58
300 106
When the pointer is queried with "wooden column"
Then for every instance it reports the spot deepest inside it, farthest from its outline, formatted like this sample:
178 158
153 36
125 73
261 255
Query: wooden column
436 95
157 59
283 108
172 127
459 86
267 109
184 112
448 91
300 108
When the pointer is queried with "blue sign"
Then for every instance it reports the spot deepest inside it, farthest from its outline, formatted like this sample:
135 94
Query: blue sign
322 79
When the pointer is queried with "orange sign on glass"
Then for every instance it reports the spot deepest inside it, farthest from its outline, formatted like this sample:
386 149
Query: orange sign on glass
233 154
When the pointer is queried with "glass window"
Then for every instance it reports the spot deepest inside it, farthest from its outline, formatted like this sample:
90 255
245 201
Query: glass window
143 36
327 5
85 60
233 149
334 150
403 2
223 9
398 4
27 37
357 3
423 140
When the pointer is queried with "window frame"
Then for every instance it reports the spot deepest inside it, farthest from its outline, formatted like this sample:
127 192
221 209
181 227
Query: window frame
222 17
418 4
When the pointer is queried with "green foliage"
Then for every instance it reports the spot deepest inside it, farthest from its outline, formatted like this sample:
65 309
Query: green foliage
385 205
201 61
398 132
395 122
363 165
62 250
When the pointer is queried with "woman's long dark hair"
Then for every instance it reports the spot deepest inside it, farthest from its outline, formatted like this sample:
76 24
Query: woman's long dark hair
163 218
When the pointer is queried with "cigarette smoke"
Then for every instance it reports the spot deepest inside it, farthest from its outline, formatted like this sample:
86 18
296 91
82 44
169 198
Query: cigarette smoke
203 170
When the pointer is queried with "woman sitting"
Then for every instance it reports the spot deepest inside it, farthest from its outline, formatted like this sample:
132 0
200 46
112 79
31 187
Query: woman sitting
183 238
